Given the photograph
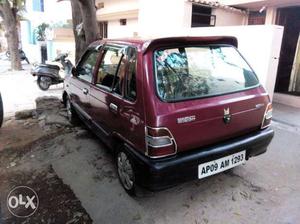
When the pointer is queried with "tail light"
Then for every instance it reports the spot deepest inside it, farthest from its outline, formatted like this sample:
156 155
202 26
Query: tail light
159 142
267 116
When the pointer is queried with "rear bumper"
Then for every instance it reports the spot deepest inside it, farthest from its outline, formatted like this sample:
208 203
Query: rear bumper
156 174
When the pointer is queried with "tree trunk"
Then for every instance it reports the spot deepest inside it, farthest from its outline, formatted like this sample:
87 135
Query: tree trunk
90 26
12 36
80 44
84 11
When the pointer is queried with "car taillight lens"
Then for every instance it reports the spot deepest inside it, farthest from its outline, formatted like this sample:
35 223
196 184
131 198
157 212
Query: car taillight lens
159 142
267 116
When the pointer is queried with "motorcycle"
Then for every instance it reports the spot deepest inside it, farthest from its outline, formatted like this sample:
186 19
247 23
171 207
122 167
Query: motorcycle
49 74
22 55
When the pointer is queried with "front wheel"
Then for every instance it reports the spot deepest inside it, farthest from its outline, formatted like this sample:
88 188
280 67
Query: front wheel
44 82
126 171
71 113
7 54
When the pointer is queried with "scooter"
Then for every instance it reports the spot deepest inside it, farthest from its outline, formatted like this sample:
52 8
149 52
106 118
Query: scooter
22 55
49 74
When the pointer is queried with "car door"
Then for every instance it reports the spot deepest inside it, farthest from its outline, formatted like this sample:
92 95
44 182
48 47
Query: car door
101 90
125 105
81 82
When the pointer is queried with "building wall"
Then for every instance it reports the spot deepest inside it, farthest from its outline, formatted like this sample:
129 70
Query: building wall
54 13
111 6
113 11
228 18
157 16
115 30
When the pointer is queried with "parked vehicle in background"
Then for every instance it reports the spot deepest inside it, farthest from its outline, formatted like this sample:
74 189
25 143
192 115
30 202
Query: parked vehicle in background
48 74
171 109
1 111
22 54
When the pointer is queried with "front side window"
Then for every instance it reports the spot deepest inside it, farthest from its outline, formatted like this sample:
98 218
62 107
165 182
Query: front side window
86 67
195 72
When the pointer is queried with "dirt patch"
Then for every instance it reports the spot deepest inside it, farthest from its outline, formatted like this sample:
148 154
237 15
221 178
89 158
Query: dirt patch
17 134
57 202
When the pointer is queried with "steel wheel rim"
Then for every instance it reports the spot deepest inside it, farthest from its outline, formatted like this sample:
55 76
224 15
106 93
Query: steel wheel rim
45 82
125 171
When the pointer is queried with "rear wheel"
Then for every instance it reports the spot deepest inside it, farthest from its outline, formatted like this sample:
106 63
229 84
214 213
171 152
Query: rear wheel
126 171
44 82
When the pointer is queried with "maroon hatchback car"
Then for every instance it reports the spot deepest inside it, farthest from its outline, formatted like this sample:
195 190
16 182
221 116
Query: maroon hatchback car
171 109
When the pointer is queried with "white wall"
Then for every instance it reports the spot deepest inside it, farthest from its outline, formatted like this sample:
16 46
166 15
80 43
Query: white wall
228 18
111 6
54 12
115 30
156 16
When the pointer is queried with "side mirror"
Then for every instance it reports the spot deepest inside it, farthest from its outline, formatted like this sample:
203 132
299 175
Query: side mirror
74 72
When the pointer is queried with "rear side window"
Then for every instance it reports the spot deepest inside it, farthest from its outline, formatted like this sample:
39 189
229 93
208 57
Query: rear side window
131 75
109 66
195 72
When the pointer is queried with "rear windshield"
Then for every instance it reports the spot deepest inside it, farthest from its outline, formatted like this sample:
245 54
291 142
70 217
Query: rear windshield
194 72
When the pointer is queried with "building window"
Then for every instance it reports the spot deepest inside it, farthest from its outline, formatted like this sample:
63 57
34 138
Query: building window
201 16
100 5
257 18
123 22
38 5
103 29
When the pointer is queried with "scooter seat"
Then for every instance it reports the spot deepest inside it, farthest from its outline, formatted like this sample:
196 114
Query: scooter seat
49 66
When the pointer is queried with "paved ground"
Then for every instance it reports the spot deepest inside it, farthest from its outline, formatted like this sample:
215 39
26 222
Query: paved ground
19 89
286 115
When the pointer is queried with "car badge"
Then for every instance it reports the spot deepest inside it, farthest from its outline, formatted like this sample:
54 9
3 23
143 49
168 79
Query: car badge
188 119
227 116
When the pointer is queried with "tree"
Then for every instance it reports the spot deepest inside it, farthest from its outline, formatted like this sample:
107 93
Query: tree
8 12
85 26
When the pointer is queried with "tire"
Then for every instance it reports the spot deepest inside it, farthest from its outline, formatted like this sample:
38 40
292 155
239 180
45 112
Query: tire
1 111
7 54
126 171
44 82
71 113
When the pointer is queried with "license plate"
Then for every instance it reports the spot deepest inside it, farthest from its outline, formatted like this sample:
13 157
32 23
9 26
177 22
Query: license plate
222 164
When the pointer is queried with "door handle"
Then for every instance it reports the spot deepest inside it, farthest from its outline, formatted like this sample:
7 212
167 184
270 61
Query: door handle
113 108
85 91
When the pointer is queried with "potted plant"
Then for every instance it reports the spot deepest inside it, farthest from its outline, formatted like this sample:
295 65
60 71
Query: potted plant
40 33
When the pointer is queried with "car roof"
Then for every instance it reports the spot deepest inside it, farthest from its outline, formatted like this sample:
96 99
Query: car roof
144 44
